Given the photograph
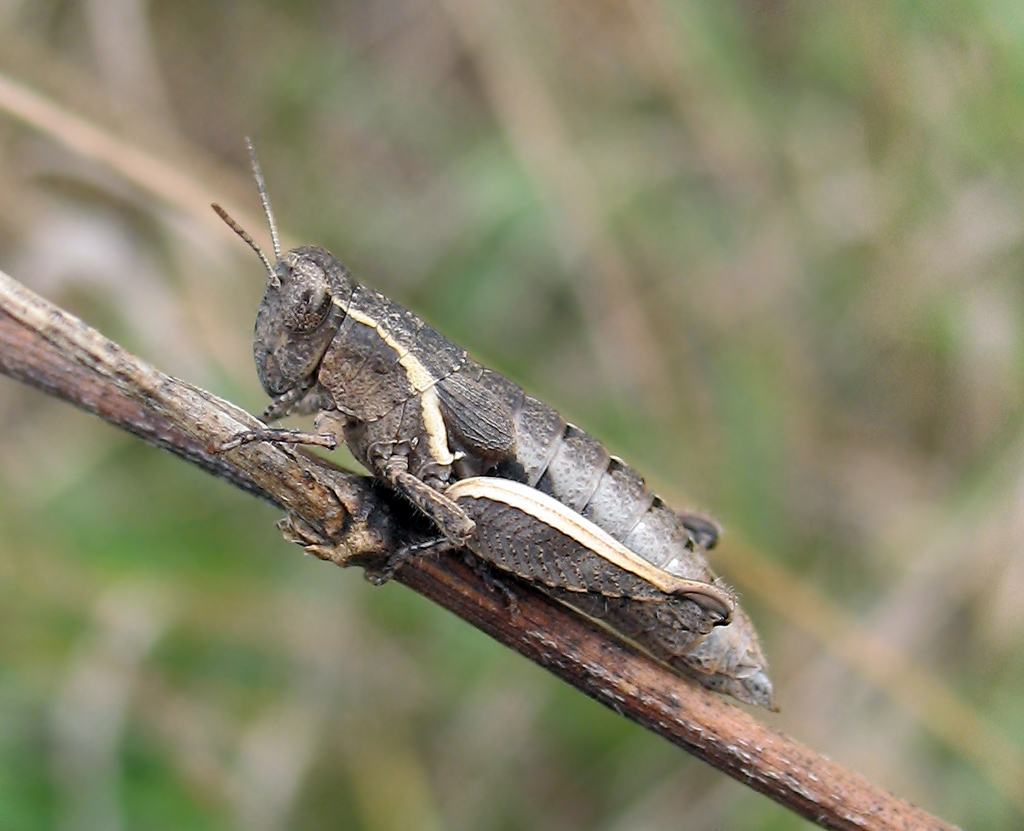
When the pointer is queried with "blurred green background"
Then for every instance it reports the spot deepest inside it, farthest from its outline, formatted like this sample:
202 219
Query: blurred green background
769 252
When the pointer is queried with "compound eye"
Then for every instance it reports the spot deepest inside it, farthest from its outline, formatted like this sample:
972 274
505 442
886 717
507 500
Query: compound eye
307 296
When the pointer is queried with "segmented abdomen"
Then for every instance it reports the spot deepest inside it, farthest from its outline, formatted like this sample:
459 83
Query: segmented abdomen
575 468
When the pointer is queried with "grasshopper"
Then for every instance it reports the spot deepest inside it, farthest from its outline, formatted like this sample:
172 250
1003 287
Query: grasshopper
494 469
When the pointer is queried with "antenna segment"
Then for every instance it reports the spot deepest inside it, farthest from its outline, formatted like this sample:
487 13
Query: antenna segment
264 198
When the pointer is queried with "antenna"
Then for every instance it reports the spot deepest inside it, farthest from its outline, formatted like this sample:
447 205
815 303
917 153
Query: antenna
262 185
238 229
245 235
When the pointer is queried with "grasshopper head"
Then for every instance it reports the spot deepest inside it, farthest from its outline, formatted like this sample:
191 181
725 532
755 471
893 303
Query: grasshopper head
303 305
298 318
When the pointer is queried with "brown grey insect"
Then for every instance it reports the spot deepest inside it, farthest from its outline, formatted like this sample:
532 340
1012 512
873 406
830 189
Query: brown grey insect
419 413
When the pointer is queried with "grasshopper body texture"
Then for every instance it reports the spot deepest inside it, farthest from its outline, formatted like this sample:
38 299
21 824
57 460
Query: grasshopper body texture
497 470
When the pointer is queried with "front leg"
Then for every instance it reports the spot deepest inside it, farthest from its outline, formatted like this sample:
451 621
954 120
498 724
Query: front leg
329 425
278 435
305 399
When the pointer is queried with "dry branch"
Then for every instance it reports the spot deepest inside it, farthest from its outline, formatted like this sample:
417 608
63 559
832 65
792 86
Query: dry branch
344 518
